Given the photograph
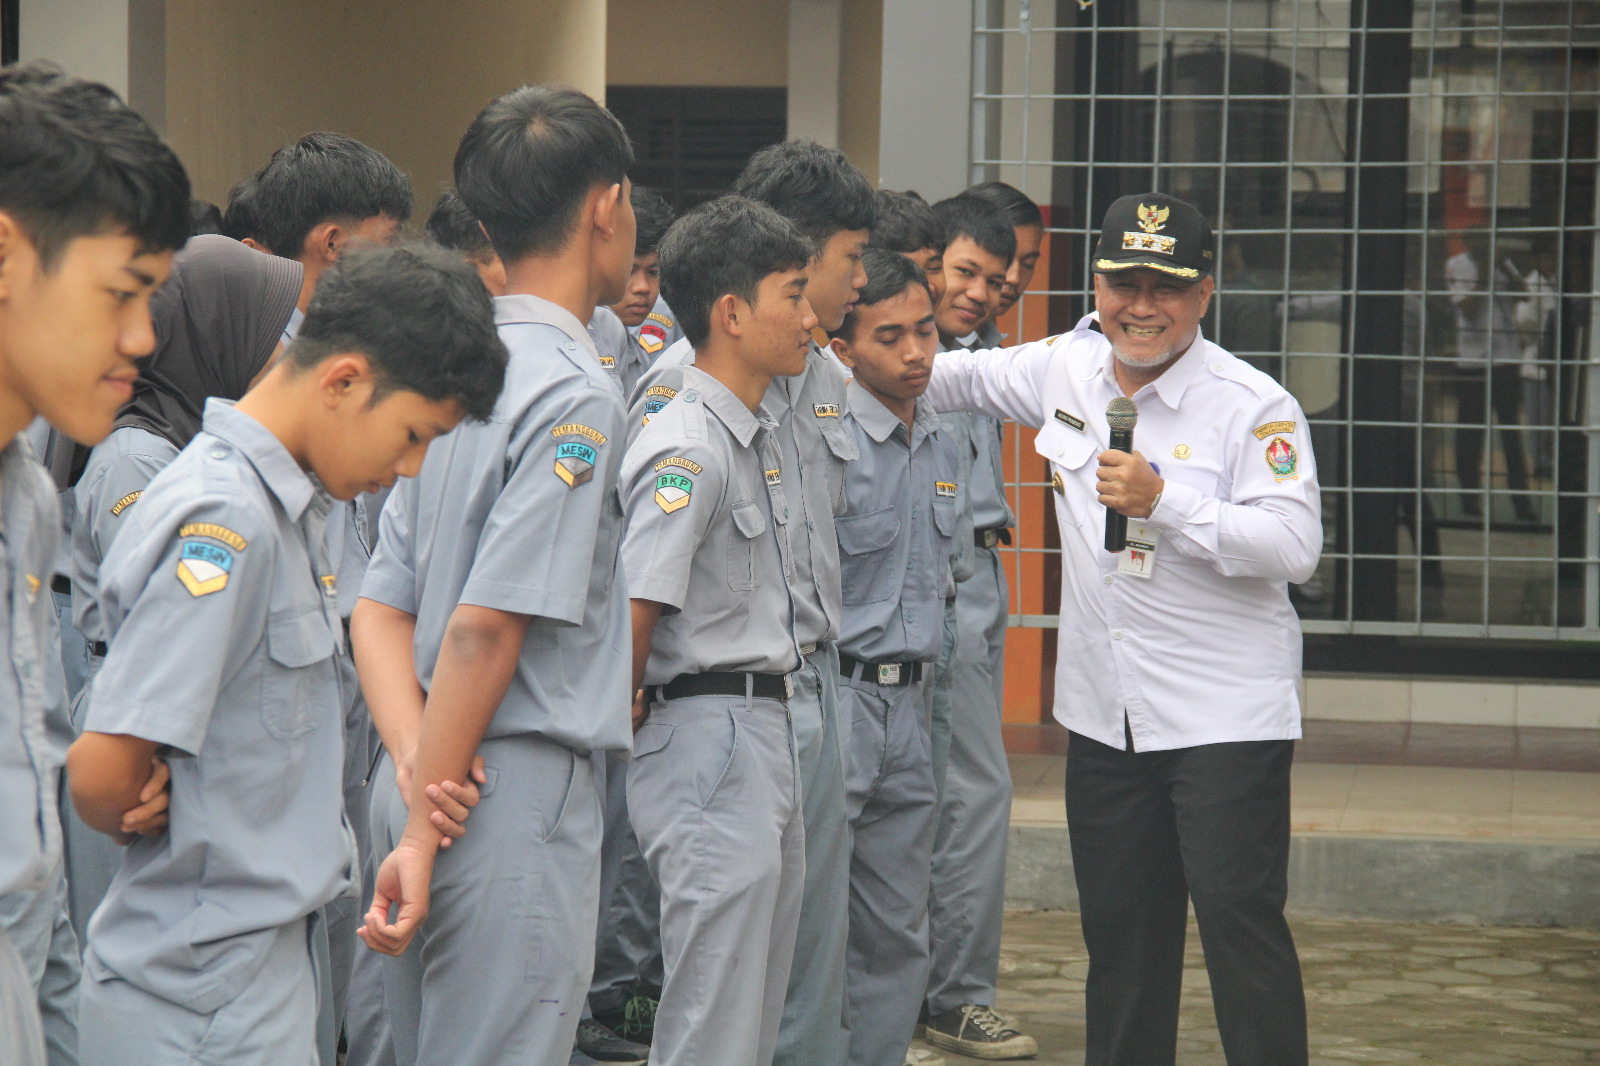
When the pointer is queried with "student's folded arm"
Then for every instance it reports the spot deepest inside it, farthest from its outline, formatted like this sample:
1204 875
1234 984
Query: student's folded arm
107 773
1001 382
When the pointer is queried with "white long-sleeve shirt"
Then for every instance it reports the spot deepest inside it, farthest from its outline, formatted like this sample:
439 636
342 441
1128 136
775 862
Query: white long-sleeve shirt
1205 650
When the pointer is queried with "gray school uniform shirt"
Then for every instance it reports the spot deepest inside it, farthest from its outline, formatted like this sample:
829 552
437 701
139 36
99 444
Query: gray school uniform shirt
115 477
901 513
708 535
815 446
521 514
220 605
31 689
618 345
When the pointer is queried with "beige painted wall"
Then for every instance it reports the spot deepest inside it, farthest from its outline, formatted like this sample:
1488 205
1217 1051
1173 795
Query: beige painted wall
405 76
860 83
699 42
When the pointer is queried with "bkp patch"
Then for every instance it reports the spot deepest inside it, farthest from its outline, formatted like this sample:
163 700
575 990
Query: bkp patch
673 491
1283 460
204 568
574 462
652 337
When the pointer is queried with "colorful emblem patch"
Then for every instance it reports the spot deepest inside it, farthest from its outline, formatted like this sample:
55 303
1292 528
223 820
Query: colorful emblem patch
1263 432
204 568
652 337
215 532
126 502
574 462
946 489
774 477
673 491
655 398
826 410
1283 460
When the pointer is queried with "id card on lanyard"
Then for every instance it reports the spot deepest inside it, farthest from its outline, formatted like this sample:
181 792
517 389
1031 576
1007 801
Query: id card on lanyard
1138 559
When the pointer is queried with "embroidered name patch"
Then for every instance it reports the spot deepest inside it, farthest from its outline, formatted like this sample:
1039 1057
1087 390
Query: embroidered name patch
126 502
678 460
330 584
774 477
215 532
826 410
1263 432
575 429
574 462
661 318
672 492
1283 460
204 568
608 362
1069 420
944 488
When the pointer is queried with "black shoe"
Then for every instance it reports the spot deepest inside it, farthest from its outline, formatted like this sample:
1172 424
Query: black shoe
634 1019
978 1031
602 1045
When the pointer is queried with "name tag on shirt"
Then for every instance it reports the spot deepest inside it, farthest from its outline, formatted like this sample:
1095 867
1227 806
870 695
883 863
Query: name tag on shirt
1138 559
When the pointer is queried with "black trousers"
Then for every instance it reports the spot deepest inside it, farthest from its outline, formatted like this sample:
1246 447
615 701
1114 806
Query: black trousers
1153 830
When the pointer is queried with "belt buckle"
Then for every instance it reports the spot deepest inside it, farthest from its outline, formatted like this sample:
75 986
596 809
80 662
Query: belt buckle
990 538
888 673
806 650
788 686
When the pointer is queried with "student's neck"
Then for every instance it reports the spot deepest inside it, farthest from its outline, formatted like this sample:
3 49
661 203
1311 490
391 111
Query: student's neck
279 404
15 416
721 360
565 278
308 284
904 410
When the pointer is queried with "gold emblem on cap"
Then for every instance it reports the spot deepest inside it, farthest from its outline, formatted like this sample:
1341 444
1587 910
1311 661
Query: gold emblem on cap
1181 452
1153 219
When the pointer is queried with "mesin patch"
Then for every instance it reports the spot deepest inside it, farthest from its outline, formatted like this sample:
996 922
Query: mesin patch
204 568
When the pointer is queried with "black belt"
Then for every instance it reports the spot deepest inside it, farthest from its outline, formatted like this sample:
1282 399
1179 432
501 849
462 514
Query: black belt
988 538
894 675
97 648
762 686
62 584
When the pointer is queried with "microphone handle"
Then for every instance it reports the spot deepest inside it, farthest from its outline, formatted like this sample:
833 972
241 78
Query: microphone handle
1116 523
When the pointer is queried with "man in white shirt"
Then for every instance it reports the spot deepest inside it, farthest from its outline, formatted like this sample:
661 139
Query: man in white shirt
1180 655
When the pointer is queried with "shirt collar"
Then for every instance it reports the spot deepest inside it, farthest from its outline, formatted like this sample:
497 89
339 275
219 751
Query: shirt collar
524 308
294 488
291 329
1170 386
729 409
880 422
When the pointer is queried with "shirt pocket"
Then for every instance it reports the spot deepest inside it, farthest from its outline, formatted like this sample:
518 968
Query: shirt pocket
748 524
866 561
945 516
297 679
841 449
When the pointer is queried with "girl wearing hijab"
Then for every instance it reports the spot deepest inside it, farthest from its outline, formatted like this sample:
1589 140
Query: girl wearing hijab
218 322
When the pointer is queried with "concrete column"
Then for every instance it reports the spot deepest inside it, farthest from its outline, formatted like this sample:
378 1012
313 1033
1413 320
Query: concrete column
814 50
86 38
926 115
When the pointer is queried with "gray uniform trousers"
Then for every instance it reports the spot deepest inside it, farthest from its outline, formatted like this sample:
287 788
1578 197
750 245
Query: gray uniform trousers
627 948
499 971
37 927
270 1023
366 1022
814 1029
21 1038
93 858
967 898
344 916
892 806
714 794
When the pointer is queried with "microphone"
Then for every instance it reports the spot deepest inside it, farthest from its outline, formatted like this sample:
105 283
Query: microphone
1121 414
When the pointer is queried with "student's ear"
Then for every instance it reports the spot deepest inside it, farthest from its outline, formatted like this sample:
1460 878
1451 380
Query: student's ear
841 348
16 248
324 241
725 314
605 210
342 377
251 242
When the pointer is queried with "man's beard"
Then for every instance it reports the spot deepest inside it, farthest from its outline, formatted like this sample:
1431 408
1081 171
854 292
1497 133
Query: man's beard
1145 362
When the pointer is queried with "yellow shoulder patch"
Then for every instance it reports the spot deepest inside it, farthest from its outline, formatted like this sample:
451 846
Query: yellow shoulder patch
126 502
215 532
678 460
578 429
1263 432
661 318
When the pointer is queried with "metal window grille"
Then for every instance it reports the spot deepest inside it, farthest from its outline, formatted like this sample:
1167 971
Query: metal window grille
1404 198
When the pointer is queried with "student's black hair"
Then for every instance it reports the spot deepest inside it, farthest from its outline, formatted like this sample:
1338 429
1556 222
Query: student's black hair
654 216
725 246
321 177
204 217
451 224
1012 202
905 224
529 160
979 221
75 161
816 188
419 314
239 216
888 275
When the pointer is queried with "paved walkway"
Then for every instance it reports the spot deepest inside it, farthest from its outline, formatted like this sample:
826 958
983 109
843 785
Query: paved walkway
1376 992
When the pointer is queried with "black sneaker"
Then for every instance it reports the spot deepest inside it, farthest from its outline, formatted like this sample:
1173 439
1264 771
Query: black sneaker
602 1045
979 1032
634 1019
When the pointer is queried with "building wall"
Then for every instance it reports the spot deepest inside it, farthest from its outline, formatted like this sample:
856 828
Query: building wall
698 42
860 83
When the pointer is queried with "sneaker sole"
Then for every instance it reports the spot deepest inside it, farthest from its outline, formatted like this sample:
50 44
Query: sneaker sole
1018 1047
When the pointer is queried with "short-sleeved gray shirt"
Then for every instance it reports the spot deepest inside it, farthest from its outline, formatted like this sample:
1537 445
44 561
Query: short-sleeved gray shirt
221 608
894 537
118 470
31 689
809 410
619 349
658 332
521 514
708 512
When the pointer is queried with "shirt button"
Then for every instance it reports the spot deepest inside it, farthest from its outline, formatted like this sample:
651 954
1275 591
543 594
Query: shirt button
1116 634
569 346
1108 579
219 453
914 514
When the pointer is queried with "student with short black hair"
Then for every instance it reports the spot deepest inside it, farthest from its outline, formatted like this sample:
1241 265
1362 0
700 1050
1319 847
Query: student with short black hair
634 329
906 224
831 203
713 789
92 205
901 512
1027 221
220 604
451 224
493 621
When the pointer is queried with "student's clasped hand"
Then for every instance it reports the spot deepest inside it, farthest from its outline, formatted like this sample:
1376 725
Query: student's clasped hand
150 816
452 802
402 880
